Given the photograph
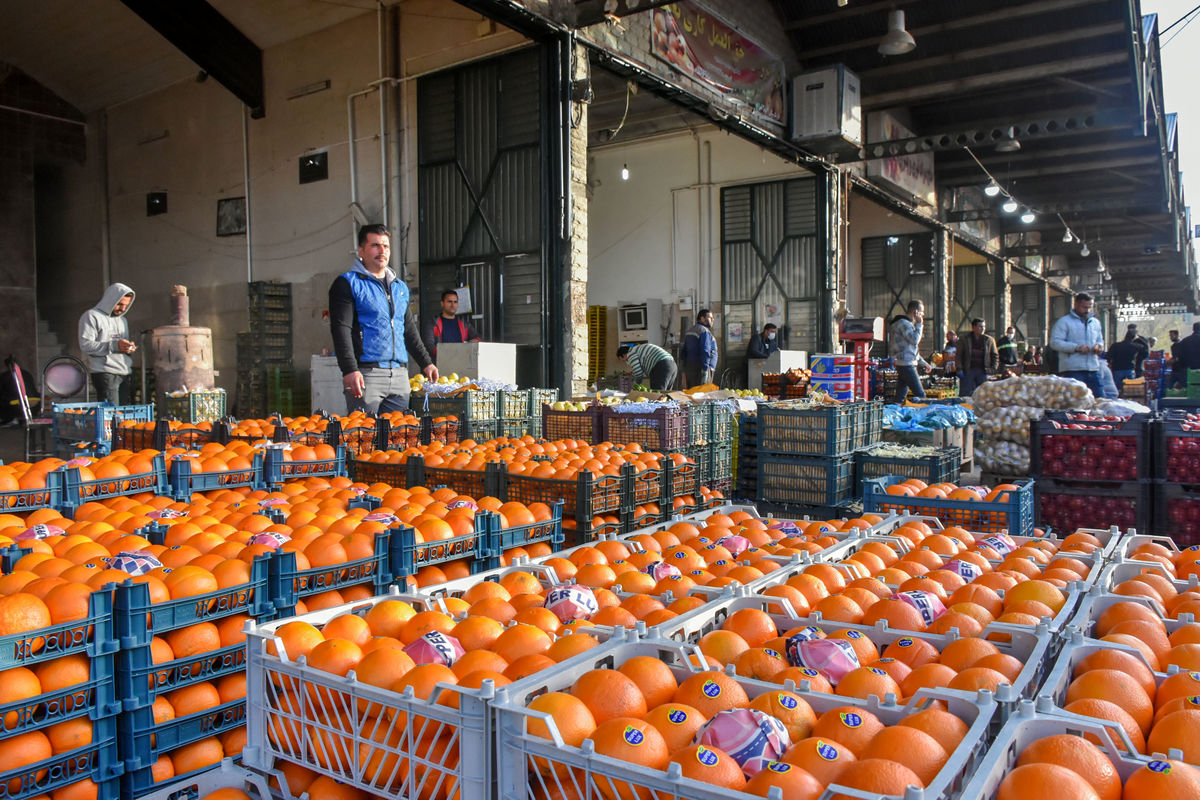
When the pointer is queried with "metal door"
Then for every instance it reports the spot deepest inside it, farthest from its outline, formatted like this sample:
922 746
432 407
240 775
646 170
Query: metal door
974 296
895 271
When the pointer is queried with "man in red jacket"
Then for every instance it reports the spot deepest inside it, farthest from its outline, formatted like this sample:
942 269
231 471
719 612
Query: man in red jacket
448 327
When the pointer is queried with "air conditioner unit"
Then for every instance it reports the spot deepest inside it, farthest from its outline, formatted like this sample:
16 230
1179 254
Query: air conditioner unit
827 110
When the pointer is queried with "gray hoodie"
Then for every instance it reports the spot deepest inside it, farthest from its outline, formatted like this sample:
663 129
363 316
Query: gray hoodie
99 332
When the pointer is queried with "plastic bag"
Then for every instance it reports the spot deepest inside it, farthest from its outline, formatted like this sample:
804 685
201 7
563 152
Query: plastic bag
1038 391
1005 458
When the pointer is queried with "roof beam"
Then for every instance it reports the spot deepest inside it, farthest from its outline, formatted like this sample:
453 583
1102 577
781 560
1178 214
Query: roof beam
200 32
1119 202
589 12
998 49
1112 248
882 6
942 89
1061 169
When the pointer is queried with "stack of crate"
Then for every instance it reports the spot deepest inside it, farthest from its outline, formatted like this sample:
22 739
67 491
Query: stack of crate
597 318
266 377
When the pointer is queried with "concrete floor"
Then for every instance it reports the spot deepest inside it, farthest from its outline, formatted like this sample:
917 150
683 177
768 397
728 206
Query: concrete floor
12 444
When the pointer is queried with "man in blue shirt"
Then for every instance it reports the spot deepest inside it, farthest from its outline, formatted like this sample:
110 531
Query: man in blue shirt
374 331
699 355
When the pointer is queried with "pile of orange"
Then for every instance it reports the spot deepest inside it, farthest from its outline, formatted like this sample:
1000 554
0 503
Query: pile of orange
22 476
1070 767
642 715
914 487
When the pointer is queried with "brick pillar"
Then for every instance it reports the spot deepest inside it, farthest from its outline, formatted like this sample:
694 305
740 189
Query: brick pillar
574 318
1004 307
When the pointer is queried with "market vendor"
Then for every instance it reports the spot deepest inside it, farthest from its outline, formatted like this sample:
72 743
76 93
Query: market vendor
763 344
649 363
1079 340
977 358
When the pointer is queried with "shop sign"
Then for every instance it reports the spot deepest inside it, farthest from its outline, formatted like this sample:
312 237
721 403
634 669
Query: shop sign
912 175
699 44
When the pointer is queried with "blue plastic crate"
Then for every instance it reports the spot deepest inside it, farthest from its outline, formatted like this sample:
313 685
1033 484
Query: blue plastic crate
93 422
92 636
33 499
76 492
500 539
142 742
277 471
288 583
802 480
1013 516
100 761
140 681
406 555
941 466
138 620
183 482
793 427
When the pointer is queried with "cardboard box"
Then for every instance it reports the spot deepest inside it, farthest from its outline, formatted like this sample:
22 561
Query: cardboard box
828 364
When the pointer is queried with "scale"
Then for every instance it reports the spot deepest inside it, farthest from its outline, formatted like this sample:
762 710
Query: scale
862 332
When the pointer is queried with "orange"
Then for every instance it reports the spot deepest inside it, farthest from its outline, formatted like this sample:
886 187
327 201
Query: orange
298 638
350 627
477 633
927 676
848 725
23 612
632 741
722 645
609 694
21 750
1045 780
974 679
521 640
913 748
1131 665
197 638
824 759
528 665
877 776
1081 757
18 683
1181 684
794 782
1179 730
710 765
898 614
789 708
1103 709
910 651
963 653
754 625
198 755
570 646
194 698
654 678
711 692
760 663
424 622
864 682
678 723
1162 779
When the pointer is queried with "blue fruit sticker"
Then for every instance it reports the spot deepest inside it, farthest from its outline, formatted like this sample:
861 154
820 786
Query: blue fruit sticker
707 757
850 720
853 635
779 766
676 717
905 642
878 671
810 672
633 736
711 689
772 653
787 701
827 751
1159 766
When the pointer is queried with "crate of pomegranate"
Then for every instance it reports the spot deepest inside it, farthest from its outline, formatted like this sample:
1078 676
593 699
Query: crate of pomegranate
1068 505
1176 512
1177 448
1092 447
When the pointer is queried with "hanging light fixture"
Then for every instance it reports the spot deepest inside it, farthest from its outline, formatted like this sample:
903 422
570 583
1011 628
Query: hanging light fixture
897 41
1085 251
1068 237
1010 145
1028 217
992 189
624 172
1010 206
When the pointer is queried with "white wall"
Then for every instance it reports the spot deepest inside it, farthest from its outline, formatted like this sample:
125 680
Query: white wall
658 234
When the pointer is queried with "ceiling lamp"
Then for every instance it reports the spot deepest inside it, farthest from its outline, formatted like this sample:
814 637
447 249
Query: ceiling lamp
624 172
1028 217
1068 237
992 189
897 41
1010 206
1085 251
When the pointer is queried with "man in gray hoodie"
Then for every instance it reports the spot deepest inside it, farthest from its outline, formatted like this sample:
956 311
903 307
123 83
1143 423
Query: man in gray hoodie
106 346
904 339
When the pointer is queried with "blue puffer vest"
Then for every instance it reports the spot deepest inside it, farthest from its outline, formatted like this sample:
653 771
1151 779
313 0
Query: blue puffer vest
380 318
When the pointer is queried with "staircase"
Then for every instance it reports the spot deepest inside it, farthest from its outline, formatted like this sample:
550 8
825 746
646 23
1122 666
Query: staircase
48 346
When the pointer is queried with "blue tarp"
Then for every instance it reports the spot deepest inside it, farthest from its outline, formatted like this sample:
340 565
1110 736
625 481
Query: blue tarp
927 418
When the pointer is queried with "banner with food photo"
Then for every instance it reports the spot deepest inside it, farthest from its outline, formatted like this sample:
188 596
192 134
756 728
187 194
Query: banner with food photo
699 44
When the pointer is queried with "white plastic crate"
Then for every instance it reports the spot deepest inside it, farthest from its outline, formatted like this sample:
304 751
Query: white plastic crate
226 775
1125 545
376 740
1097 601
1077 647
1030 645
588 774
1026 725
1120 571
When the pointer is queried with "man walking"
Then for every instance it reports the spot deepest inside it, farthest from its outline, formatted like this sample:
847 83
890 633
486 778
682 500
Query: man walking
448 327
699 353
1079 341
977 358
1006 347
903 340
106 346
374 331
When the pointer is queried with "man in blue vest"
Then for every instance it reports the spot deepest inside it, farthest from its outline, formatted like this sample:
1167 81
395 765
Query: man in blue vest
448 327
374 331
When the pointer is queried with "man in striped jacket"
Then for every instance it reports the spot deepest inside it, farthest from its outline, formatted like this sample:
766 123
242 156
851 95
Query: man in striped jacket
649 363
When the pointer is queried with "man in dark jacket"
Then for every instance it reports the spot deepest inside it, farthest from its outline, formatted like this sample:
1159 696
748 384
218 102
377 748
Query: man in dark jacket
763 344
699 353
1007 347
1123 357
374 331
1174 336
1189 355
448 327
977 358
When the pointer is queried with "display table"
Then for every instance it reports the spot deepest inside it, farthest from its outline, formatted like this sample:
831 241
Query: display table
495 361
780 361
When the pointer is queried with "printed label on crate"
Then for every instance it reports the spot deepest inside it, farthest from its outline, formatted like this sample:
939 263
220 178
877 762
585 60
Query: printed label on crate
568 602
1002 543
435 647
830 363
134 562
928 604
833 658
40 531
752 738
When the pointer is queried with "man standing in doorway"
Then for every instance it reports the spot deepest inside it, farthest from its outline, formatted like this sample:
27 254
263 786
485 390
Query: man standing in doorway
1189 356
1006 347
763 344
448 327
977 358
1079 341
105 344
374 331
903 341
699 354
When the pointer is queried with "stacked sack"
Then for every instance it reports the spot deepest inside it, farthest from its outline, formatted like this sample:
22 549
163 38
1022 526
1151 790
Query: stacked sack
1004 410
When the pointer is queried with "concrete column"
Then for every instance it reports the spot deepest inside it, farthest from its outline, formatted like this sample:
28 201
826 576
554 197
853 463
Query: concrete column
1003 295
574 318
943 255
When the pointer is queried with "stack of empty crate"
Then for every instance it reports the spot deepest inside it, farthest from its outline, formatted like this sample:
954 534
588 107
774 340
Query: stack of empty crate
266 377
